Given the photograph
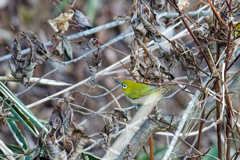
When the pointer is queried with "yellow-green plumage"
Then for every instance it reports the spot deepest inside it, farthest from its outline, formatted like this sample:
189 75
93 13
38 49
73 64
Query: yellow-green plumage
137 93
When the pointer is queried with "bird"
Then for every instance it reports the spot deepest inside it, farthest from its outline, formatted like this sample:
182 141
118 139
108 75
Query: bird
137 93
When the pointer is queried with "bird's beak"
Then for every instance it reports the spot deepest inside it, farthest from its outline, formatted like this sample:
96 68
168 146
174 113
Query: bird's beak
118 82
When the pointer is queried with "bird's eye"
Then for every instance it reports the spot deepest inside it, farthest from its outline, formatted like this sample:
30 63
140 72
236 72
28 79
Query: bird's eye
124 86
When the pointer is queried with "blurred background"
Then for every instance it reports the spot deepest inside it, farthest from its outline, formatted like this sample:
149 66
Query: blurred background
32 15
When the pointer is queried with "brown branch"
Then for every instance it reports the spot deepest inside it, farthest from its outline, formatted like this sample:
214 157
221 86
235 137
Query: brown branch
194 38
130 72
217 15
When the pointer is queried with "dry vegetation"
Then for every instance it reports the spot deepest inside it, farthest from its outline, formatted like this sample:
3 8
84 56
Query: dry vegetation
60 59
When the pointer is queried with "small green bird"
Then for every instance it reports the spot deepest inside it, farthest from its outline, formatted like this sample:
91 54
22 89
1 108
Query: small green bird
137 93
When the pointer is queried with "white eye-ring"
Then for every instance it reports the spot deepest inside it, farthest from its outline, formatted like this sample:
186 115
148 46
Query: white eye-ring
124 86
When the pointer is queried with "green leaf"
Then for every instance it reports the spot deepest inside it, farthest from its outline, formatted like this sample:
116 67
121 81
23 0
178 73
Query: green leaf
22 118
20 111
6 151
15 149
28 158
158 154
91 156
17 134
212 152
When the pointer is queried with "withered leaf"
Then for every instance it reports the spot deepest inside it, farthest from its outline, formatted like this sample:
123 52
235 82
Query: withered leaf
3 115
61 155
158 113
84 157
123 113
115 123
68 120
37 152
94 63
67 144
42 54
122 18
108 125
22 67
61 22
51 147
79 139
68 49
157 5
82 20
63 48
107 140
56 118
142 27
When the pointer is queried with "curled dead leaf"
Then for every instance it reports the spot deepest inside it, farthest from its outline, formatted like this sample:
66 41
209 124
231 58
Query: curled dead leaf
3 115
81 20
22 67
61 22
62 47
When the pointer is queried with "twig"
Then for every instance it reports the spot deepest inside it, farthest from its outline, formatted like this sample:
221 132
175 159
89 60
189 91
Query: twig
109 25
190 107
79 58
100 96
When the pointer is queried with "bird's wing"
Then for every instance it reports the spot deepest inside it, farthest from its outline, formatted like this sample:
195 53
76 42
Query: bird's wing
148 90
142 92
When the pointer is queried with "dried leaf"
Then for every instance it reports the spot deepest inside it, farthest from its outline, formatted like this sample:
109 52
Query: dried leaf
68 49
22 67
56 120
56 113
37 152
142 27
94 63
68 121
42 54
157 5
84 157
192 73
51 147
61 155
182 4
82 20
3 115
61 22
122 18
123 113
107 139
63 48
158 113
108 125
67 144
79 139
115 124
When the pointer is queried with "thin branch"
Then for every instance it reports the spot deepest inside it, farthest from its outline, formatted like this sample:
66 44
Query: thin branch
79 58
74 36
186 114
